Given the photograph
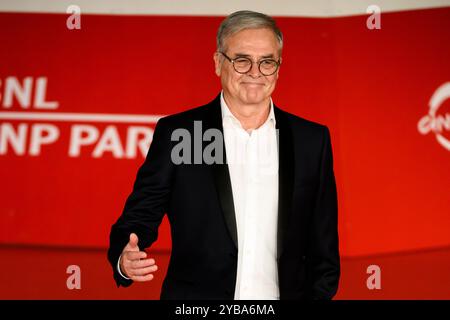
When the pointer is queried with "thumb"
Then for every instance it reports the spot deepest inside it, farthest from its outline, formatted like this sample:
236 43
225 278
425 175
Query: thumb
133 243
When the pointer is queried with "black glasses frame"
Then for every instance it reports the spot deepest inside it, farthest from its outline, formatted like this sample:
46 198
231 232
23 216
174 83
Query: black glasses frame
251 64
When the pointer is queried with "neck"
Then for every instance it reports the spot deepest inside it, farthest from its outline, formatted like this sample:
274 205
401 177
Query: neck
251 116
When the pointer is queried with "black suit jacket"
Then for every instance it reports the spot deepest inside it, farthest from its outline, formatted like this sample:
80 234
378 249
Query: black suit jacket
199 203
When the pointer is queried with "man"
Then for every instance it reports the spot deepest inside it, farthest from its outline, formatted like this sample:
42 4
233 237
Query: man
263 227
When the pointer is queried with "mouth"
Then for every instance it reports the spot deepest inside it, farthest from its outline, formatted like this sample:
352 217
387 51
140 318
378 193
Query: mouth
252 83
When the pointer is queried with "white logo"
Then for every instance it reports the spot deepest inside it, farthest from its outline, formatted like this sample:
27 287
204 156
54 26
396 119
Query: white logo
437 123
74 20
29 125
374 20
374 280
74 280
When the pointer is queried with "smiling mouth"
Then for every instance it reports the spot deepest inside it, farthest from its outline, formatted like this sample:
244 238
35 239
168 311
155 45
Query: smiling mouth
253 83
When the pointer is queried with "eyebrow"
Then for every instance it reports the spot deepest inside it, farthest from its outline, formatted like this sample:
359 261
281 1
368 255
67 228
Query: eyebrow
249 56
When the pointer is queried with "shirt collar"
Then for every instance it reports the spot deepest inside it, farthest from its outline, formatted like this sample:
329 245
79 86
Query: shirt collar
226 113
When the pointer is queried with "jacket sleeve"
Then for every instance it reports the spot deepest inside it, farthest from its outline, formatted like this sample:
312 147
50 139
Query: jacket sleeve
147 203
324 242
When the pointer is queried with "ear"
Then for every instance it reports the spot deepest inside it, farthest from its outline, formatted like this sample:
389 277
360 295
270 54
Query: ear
279 67
217 63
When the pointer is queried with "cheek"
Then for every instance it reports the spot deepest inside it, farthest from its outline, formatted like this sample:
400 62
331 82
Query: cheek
273 81
234 79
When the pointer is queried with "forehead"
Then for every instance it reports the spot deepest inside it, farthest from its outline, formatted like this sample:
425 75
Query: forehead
253 41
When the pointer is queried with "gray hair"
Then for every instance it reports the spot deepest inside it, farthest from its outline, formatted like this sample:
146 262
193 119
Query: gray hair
245 19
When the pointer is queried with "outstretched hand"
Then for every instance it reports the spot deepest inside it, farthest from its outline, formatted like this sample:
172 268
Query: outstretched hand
134 263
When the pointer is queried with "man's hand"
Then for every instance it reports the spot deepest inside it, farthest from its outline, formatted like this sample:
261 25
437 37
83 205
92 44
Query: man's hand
133 263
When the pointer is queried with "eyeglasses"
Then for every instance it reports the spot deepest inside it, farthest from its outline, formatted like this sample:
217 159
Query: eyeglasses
243 65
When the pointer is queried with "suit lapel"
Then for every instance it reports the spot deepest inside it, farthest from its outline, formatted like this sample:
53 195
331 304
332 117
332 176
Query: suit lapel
285 176
221 174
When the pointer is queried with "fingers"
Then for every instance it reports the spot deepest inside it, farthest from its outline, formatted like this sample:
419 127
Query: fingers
142 278
142 274
144 263
145 271
134 255
134 262
136 267
133 241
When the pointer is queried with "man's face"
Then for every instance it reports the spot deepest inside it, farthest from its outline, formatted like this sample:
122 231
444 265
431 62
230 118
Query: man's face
252 87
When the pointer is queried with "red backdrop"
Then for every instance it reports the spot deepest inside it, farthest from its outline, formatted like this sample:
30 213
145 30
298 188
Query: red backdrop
371 87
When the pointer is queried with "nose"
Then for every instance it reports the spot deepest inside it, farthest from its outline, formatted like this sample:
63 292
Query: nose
254 71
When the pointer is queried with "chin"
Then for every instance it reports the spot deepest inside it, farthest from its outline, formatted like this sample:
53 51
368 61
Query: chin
253 97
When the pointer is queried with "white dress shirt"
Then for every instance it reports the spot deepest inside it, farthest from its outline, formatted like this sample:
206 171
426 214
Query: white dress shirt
252 159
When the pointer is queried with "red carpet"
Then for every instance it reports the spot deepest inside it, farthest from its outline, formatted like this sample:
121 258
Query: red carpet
40 273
